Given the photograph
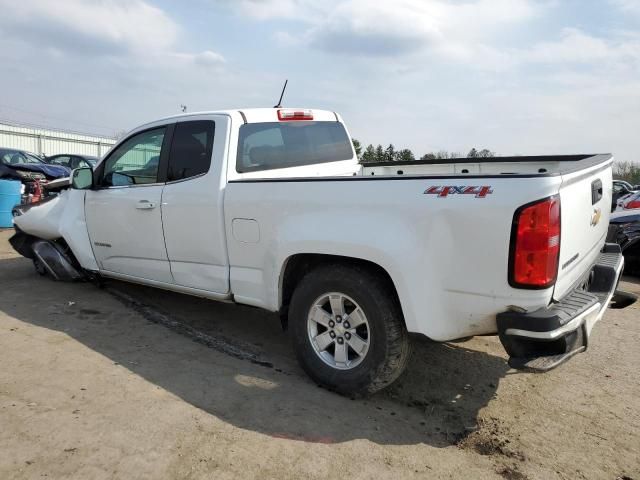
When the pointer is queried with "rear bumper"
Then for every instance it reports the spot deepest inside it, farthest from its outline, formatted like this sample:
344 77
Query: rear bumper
543 339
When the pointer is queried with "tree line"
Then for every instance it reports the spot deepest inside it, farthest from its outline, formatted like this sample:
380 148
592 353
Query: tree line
626 170
372 154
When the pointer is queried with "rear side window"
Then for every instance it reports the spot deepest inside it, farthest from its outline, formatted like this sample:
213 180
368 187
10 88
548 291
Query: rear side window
265 146
191 149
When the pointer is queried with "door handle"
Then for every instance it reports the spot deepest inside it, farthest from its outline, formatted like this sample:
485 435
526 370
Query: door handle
145 205
596 191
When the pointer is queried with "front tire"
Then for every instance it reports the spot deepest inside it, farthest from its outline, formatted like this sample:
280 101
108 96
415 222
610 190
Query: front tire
39 267
347 329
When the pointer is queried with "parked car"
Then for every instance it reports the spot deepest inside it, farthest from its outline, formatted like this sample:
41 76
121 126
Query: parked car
630 201
72 161
623 183
624 229
621 191
31 170
621 201
270 208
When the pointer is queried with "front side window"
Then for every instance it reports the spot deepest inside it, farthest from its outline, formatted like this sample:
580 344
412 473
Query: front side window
190 149
266 146
32 158
136 161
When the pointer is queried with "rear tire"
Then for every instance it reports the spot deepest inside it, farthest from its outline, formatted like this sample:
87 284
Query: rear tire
376 341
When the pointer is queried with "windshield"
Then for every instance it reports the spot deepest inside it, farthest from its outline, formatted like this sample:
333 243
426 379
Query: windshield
265 146
16 157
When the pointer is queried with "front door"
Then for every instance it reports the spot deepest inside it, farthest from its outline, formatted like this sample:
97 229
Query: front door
123 211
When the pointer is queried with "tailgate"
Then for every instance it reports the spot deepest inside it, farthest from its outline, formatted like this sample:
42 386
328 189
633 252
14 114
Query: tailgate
585 203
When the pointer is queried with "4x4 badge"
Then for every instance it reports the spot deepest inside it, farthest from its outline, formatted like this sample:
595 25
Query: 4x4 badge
478 192
595 218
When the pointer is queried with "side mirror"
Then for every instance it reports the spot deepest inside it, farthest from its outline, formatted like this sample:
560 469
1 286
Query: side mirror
82 178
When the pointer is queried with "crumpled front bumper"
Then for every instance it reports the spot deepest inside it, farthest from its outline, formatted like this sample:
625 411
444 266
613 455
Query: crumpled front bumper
543 339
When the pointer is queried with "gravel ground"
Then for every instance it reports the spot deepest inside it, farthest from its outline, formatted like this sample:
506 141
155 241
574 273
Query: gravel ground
130 382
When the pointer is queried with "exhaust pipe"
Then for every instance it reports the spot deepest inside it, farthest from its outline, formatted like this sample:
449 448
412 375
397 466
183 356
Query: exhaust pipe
55 261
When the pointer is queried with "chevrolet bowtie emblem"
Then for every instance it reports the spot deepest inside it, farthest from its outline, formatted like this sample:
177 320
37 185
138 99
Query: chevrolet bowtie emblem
595 218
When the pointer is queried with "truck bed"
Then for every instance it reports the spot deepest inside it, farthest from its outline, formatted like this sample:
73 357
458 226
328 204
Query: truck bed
518 165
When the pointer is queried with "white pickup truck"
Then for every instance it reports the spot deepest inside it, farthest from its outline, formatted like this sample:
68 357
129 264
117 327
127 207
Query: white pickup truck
270 208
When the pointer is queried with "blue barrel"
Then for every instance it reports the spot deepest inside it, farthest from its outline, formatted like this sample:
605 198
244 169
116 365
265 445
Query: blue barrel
9 198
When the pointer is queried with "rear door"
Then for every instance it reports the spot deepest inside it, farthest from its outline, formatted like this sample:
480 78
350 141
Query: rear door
123 213
585 199
192 204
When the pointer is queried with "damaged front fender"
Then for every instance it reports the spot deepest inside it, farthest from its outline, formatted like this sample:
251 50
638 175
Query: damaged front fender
48 256
61 220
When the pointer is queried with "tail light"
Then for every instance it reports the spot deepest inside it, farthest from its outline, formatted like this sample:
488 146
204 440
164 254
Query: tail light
630 205
288 115
535 245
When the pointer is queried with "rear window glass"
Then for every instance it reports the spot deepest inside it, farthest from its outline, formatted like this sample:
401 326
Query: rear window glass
16 157
265 146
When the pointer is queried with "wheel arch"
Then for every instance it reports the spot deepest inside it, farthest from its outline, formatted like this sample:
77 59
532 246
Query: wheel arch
296 266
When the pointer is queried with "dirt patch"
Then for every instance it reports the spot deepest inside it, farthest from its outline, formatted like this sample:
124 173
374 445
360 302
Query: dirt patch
491 438
511 473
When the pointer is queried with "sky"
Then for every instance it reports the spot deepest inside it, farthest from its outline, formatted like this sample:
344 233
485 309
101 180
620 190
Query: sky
514 76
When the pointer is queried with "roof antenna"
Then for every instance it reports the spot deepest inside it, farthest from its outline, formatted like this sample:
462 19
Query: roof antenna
279 105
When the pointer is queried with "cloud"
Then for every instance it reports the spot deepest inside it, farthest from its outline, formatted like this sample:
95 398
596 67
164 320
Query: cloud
380 28
96 27
362 27
110 25
206 58
275 9
629 6
576 46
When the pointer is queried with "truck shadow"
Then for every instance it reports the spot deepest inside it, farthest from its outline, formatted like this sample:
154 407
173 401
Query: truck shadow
634 280
436 401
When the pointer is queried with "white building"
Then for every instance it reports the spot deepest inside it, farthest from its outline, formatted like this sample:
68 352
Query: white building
44 141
